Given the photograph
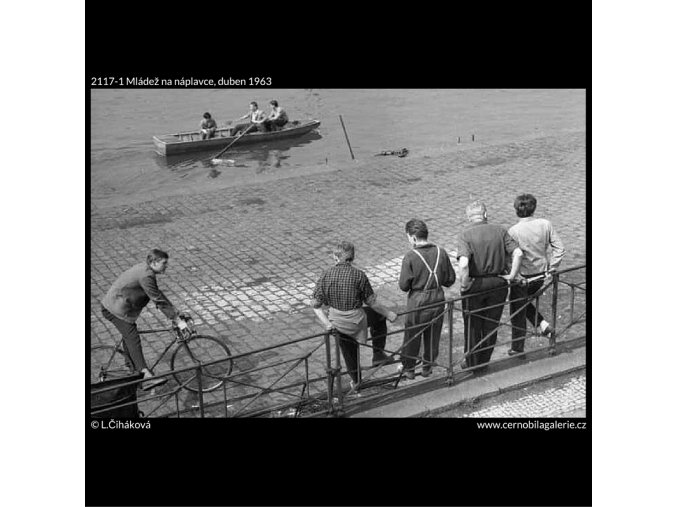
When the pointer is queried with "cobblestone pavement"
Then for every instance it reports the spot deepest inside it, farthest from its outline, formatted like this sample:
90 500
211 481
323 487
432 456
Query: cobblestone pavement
244 260
567 400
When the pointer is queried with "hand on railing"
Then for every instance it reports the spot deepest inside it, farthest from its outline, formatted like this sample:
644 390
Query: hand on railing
392 316
548 275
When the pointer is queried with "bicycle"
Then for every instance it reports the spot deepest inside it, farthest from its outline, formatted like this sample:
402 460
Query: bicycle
111 361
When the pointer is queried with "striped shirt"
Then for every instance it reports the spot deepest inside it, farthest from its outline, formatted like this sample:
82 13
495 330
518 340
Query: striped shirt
343 287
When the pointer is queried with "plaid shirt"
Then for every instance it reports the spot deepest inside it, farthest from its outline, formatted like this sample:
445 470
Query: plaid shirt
343 287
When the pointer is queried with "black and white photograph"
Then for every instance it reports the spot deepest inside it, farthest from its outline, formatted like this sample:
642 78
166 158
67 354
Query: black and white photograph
336 255
322 254
302 276
263 252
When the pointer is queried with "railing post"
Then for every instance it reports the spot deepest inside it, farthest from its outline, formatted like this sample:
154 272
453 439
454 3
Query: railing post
307 378
198 375
553 339
450 374
571 312
338 369
538 310
225 399
330 373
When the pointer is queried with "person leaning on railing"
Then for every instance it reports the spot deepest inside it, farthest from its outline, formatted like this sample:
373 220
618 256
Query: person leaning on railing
344 288
125 300
483 249
426 268
543 252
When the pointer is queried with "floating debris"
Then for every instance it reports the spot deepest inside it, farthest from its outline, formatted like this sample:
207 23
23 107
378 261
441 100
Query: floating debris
400 153
227 161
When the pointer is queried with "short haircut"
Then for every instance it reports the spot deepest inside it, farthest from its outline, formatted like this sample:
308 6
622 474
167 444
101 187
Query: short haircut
475 209
345 251
273 103
525 205
207 115
156 255
252 103
417 228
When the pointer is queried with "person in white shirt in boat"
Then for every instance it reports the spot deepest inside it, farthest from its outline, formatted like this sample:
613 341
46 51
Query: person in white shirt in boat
256 118
277 118
207 126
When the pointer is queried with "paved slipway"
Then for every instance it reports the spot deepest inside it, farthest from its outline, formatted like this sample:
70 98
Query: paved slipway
560 397
244 260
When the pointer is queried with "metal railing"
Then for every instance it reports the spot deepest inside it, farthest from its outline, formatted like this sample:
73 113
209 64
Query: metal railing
309 383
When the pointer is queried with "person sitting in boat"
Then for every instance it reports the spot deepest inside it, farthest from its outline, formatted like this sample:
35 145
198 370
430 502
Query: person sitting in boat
276 119
207 126
256 119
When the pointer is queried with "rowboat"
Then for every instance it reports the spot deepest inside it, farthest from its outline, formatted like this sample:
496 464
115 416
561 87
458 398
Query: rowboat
186 142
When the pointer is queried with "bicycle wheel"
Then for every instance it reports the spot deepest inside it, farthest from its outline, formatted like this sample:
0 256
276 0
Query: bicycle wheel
199 350
107 362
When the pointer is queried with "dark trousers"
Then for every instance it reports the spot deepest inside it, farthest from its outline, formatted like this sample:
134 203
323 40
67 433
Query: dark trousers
424 330
131 341
275 124
482 323
241 127
378 327
519 317
350 349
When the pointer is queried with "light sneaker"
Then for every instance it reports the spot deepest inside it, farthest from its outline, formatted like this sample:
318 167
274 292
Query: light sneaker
354 390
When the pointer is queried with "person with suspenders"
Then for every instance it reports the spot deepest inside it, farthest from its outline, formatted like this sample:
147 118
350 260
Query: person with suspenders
426 268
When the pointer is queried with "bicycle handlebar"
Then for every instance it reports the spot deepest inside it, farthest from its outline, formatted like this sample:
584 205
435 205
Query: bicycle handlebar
183 316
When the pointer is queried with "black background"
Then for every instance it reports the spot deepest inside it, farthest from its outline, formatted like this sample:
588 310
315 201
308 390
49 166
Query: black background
343 461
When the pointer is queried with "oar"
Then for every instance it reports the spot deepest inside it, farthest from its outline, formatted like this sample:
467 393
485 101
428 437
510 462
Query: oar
232 143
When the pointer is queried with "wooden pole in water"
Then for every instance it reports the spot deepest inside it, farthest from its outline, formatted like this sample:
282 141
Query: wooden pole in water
346 134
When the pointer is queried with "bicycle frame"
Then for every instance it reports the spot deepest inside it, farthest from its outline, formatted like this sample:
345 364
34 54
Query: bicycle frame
177 339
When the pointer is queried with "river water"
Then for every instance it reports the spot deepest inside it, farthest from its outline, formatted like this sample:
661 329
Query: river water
125 169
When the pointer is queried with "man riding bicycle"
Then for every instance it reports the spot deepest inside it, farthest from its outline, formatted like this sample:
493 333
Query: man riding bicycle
125 300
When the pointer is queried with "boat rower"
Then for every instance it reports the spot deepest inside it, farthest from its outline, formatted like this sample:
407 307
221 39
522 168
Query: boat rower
256 119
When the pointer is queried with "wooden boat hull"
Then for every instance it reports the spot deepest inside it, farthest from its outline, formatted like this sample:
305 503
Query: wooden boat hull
187 142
